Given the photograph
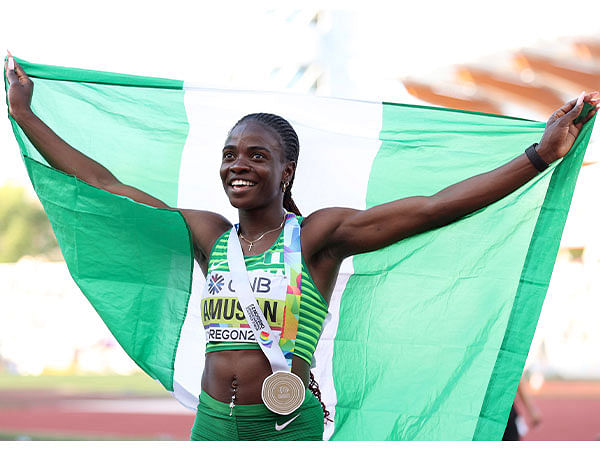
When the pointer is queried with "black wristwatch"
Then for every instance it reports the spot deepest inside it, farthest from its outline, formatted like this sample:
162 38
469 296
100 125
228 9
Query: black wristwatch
536 159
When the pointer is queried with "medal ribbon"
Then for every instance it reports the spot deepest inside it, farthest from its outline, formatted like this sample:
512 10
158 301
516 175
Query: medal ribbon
292 258
279 351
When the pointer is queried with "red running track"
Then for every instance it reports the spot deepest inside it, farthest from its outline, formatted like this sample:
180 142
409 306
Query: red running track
47 421
570 411
53 414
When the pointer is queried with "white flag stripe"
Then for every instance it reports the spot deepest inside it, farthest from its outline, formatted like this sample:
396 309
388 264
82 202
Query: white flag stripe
338 141
189 359
323 371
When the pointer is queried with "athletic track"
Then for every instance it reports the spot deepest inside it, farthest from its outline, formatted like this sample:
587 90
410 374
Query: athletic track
570 411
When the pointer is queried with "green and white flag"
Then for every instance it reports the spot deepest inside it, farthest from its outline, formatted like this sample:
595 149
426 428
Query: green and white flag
427 338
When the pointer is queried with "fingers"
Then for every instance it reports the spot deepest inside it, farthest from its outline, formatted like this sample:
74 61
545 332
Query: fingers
586 106
595 102
593 98
571 111
19 70
9 66
590 97
14 71
576 109
588 116
579 102
23 78
564 109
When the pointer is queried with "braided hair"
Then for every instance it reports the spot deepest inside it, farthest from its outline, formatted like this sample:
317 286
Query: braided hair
291 148
289 143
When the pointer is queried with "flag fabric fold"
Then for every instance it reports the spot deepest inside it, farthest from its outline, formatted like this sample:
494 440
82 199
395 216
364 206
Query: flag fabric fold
426 338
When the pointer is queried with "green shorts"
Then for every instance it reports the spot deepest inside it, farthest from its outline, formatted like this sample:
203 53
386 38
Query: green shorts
256 422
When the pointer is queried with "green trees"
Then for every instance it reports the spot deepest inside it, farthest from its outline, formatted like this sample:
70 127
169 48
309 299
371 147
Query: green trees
24 227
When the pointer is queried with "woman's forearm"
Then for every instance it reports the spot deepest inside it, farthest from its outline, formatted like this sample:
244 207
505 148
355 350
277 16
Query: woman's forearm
481 190
382 225
60 154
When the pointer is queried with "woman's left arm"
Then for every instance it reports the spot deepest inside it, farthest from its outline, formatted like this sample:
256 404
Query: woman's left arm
348 232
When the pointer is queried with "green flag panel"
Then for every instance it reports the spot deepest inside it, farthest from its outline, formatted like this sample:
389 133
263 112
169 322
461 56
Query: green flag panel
132 261
439 325
433 330
133 129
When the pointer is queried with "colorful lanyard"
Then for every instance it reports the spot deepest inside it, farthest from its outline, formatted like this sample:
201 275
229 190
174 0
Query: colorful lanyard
278 349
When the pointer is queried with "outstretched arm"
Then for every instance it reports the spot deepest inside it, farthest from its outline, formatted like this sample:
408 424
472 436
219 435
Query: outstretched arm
57 152
351 232
205 226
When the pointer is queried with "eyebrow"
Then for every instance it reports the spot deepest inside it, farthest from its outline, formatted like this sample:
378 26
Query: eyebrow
251 147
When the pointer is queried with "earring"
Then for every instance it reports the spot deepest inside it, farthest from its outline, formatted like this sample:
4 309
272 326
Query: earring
284 186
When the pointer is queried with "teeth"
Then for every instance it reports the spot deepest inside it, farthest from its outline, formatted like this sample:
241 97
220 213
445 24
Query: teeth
242 183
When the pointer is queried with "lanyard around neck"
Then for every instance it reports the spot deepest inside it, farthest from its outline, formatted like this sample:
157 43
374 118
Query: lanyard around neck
279 351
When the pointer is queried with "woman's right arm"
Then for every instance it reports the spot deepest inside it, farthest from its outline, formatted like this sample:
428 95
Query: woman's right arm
57 152
206 227
65 158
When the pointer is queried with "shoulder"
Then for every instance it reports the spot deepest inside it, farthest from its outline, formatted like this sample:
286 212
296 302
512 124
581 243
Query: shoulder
205 227
320 227
206 219
325 219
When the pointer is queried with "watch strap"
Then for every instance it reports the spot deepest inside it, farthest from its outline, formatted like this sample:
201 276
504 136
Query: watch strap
535 158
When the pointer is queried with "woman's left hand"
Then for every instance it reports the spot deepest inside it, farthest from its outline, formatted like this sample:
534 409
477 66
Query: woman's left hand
561 131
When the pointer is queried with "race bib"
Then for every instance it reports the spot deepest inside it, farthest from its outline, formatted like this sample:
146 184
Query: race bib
222 313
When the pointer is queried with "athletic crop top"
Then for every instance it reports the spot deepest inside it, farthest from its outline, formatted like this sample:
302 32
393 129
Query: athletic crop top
313 307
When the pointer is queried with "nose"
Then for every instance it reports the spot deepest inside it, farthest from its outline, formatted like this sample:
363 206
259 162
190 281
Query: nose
240 164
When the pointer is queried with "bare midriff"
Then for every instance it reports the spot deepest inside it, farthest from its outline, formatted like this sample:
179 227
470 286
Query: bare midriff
242 372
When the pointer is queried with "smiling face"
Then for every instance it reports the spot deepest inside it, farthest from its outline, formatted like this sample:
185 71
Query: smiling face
253 166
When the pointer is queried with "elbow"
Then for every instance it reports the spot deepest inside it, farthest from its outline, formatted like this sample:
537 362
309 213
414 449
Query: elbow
432 214
106 182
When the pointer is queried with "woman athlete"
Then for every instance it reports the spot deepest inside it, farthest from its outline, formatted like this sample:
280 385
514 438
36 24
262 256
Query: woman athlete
258 165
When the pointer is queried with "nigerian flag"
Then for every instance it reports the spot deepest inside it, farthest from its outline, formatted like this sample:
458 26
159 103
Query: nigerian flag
427 338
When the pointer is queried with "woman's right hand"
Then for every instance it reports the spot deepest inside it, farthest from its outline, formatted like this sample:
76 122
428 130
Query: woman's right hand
20 88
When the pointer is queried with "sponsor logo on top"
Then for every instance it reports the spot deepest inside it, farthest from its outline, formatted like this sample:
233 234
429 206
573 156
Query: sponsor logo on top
215 283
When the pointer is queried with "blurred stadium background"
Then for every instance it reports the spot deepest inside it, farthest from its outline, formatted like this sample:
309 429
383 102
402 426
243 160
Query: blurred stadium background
63 376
